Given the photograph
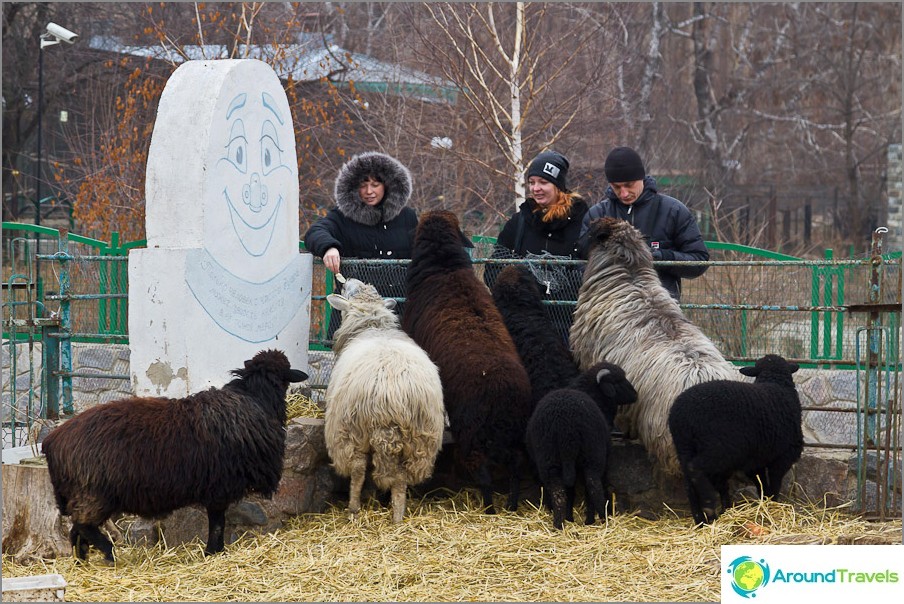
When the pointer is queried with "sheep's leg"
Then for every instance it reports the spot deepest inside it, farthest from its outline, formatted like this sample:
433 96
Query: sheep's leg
90 534
569 503
721 484
515 484
358 472
776 471
398 500
597 495
484 481
80 545
559 500
704 490
692 498
216 528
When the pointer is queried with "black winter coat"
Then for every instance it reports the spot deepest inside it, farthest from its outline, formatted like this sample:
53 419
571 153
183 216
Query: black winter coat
665 222
357 230
558 237
385 231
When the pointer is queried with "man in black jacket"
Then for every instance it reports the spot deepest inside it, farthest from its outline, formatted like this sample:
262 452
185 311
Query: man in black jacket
664 221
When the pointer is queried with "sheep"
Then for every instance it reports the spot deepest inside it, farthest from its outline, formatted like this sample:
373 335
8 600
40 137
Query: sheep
570 431
548 362
151 456
486 389
625 316
721 427
384 401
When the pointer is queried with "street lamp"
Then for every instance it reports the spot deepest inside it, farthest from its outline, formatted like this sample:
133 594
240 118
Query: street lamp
53 34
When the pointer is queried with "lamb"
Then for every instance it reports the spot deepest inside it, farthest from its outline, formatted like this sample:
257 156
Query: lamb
625 316
570 431
548 362
150 456
486 389
721 427
384 402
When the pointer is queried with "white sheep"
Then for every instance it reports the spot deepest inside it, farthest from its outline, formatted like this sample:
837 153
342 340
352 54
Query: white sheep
384 401
625 316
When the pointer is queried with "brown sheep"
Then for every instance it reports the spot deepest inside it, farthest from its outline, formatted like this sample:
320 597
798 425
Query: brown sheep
486 389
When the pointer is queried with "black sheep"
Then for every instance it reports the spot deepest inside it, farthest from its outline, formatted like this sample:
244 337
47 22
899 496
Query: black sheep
548 362
570 432
150 456
723 426
486 390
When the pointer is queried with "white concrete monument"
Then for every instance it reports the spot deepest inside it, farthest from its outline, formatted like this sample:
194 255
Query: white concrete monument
221 277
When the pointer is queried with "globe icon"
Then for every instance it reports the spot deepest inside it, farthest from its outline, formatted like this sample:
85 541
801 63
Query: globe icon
748 575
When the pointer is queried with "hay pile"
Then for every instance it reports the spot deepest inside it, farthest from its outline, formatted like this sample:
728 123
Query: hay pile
299 405
446 550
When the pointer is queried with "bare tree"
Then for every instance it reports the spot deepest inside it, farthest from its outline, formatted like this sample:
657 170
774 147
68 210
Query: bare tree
516 75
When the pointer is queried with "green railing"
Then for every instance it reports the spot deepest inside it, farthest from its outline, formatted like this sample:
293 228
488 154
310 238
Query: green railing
828 290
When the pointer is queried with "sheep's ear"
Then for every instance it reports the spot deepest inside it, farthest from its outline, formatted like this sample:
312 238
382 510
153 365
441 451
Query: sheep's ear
465 242
338 302
389 303
793 367
602 373
608 390
749 371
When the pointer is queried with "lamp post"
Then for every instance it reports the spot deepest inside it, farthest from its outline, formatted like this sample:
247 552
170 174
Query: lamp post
53 34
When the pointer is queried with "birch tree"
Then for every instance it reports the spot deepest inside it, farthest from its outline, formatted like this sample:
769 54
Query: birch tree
517 75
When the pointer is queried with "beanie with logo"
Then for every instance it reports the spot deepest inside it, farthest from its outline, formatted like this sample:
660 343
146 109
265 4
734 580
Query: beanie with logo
550 166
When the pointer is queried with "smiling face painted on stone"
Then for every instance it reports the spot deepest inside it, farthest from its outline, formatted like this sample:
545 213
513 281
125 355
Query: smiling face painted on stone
253 175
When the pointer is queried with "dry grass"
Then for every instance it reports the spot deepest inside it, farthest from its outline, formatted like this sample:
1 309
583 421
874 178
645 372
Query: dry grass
299 405
446 550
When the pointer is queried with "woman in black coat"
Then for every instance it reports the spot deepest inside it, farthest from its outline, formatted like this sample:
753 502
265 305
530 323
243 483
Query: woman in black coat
547 223
371 219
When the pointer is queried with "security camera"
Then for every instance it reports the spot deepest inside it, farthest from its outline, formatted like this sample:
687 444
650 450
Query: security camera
61 33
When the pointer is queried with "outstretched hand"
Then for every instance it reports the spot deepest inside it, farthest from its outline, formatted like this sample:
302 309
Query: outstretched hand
331 259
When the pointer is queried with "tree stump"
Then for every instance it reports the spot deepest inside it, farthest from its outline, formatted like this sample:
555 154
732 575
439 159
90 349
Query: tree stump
32 525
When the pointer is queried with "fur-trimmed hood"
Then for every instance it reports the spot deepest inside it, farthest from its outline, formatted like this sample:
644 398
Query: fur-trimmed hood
389 171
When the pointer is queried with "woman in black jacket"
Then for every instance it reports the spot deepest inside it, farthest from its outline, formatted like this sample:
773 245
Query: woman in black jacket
547 224
371 219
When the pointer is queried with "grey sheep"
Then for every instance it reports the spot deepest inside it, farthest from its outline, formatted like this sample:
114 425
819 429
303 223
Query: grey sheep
625 316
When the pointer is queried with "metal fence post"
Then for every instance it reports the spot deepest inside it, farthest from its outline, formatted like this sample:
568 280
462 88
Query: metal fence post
65 324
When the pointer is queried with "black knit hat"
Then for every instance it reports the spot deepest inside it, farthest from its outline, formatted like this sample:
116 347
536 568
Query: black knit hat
550 166
624 165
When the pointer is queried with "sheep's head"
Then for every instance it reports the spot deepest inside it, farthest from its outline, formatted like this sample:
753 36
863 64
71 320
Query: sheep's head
355 292
614 385
516 284
440 226
618 239
771 368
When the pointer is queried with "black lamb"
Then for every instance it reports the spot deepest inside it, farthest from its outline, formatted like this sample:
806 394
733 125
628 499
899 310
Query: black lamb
150 456
721 427
570 432
520 301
